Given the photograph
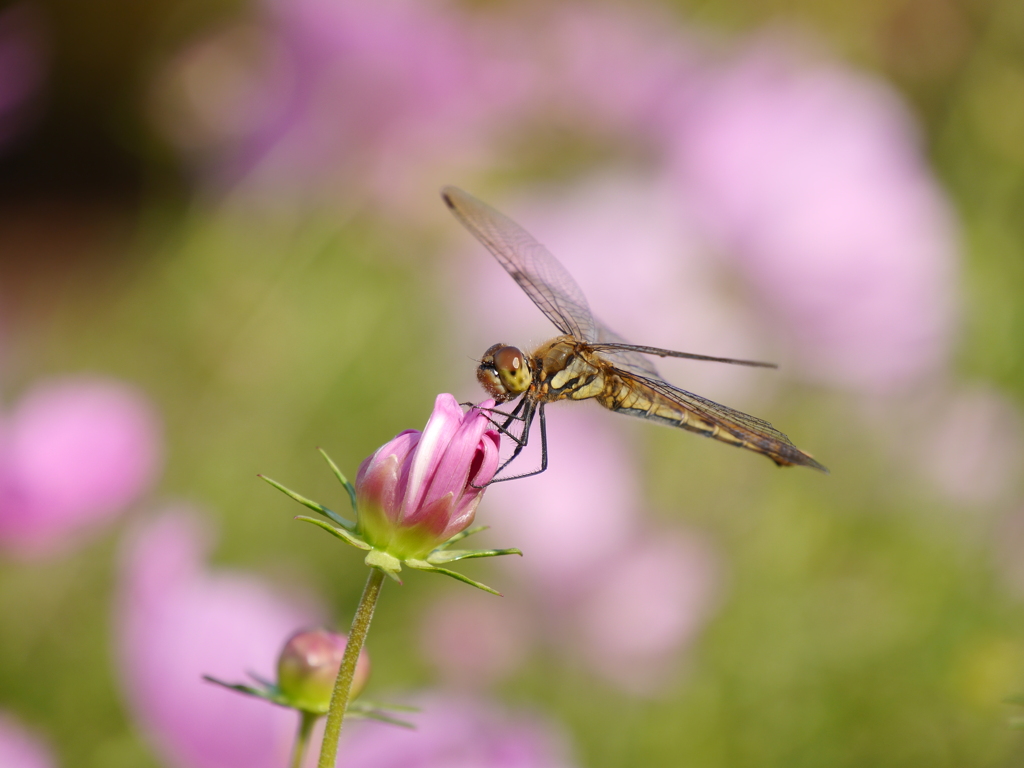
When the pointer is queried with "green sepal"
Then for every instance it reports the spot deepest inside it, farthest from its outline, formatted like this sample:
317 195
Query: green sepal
261 680
394 707
439 556
269 693
365 710
319 508
358 709
341 533
423 565
461 536
351 489
388 563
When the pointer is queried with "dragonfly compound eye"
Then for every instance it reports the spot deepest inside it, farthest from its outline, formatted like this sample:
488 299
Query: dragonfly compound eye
503 372
512 370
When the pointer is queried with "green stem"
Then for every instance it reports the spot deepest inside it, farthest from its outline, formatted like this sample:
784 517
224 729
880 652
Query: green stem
306 722
343 685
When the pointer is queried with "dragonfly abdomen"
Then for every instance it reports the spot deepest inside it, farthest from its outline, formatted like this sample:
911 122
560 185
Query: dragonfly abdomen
634 400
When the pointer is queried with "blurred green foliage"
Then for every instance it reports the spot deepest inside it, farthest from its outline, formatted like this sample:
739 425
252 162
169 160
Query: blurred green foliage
865 622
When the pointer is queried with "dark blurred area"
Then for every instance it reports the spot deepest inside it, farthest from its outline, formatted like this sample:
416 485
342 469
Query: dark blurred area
84 135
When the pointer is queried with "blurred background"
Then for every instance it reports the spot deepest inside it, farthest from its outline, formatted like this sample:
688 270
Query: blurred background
222 245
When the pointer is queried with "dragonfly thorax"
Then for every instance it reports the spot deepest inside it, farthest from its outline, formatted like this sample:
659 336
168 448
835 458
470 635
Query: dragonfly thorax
504 373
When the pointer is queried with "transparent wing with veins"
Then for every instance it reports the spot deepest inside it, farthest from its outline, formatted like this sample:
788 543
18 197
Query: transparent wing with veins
624 358
760 434
529 263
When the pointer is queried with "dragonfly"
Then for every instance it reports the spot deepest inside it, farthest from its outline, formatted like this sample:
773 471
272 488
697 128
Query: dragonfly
589 361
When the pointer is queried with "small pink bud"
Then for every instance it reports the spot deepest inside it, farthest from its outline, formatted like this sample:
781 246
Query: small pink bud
422 488
308 667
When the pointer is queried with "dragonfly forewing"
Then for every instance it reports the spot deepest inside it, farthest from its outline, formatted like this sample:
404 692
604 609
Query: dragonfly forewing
622 358
530 264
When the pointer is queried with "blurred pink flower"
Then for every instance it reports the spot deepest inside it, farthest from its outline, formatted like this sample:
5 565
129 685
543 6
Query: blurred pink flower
19 748
177 621
613 70
421 488
473 640
376 89
967 442
22 65
1008 543
316 94
452 731
647 603
975 447
579 513
812 176
74 453
380 83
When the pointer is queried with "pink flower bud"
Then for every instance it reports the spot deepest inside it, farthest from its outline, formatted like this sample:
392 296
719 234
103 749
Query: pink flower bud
422 488
308 666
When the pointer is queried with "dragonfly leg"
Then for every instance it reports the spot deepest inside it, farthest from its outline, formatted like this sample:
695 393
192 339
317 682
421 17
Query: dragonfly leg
503 428
543 442
522 440
513 416
498 411
528 417
528 409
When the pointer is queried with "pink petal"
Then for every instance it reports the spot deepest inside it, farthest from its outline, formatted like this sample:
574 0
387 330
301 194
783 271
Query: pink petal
400 446
443 424
485 463
377 489
458 459
433 518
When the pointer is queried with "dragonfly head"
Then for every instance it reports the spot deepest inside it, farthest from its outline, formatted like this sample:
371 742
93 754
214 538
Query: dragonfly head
504 373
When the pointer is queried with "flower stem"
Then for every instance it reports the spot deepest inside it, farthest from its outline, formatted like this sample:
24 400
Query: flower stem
306 722
343 685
